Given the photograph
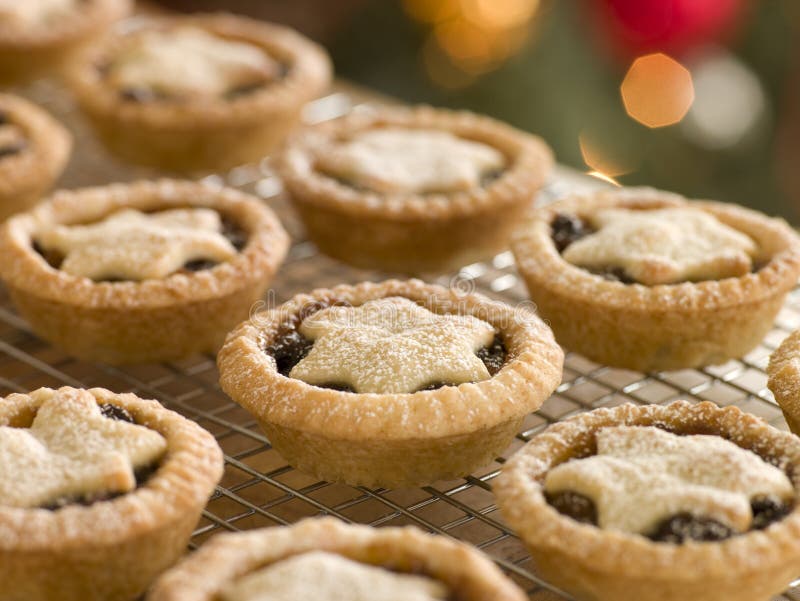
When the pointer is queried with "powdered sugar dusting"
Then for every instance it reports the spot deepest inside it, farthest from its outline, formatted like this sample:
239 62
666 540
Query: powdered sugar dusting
325 576
392 345
411 161
664 246
71 449
643 475
132 245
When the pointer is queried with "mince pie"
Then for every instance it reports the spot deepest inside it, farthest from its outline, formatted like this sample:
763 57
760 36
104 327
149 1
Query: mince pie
663 503
784 379
648 280
393 384
413 190
40 36
202 92
34 149
148 271
326 560
99 493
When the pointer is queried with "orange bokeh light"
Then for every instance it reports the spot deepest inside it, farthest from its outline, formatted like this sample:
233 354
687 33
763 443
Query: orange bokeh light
657 90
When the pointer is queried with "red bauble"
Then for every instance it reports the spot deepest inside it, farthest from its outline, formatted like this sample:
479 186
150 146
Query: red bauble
635 27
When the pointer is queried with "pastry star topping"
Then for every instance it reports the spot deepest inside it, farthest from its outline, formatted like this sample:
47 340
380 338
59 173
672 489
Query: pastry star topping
32 12
188 62
641 476
72 450
323 576
130 245
391 160
392 345
664 246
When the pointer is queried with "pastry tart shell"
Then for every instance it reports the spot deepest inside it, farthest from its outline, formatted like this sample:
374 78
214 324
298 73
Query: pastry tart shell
466 572
603 565
111 550
152 320
657 327
29 53
392 440
26 176
210 134
784 379
412 233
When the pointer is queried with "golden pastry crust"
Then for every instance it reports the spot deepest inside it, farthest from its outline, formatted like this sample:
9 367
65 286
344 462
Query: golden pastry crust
468 573
111 550
413 233
152 320
604 565
658 327
27 175
392 440
208 134
26 53
784 379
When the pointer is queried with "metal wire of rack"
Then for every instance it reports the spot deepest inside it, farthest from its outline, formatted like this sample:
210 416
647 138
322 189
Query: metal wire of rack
259 489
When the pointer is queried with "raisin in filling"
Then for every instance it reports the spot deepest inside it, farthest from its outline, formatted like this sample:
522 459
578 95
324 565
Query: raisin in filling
678 528
142 474
290 347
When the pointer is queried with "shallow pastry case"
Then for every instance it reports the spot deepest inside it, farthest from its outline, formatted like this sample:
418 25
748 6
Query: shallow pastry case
259 489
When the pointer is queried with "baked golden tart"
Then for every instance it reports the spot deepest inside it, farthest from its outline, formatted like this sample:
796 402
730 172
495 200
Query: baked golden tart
202 92
41 36
784 379
413 190
326 560
99 493
663 503
34 149
393 384
647 280
147 271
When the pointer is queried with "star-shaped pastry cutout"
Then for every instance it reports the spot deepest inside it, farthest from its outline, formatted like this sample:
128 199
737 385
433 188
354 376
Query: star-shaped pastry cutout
641 476
392 160
188 62
130 245
664 246
392 345
335 578
72 450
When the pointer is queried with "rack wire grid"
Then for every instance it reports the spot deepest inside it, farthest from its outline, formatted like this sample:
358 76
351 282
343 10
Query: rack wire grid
259 488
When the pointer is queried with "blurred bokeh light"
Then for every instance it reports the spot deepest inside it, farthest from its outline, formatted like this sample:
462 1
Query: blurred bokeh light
657 90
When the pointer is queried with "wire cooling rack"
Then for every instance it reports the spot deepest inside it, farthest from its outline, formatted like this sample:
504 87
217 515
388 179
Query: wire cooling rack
259 489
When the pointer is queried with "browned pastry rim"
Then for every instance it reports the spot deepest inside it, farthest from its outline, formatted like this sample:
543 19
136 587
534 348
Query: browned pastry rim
758 562
29 173
393 439
690 324
468 573
529 161
25 269
784 379
111 548
92 16
309 73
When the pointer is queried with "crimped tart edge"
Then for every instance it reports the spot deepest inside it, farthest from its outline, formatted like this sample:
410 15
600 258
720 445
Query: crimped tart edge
530 162
542 265
249 376
784 376
232 555
184 481
23 268
522 502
